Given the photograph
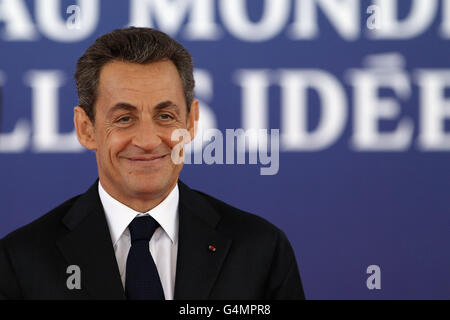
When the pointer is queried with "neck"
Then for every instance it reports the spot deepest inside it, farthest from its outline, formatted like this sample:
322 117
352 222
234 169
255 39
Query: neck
138 202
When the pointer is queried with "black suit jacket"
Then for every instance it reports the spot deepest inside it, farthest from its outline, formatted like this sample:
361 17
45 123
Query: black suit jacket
253 259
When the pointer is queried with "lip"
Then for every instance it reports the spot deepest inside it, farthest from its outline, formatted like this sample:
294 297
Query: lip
141 160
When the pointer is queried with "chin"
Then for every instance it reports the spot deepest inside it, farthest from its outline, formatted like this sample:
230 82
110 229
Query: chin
149 185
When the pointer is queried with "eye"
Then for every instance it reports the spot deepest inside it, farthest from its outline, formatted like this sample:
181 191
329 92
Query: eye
166 116
124 119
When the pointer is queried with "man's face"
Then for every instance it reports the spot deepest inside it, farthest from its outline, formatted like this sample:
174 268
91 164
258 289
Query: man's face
137 109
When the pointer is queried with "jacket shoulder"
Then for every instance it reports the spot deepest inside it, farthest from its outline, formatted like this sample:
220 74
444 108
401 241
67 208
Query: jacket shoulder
28 251
41 228
260 251
241 222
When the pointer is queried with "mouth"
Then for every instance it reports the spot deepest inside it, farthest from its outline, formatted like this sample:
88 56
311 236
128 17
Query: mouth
141 160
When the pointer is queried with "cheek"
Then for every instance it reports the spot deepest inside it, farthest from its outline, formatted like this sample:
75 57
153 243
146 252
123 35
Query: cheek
115 142
167 137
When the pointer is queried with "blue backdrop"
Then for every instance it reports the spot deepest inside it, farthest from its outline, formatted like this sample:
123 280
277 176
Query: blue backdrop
358 89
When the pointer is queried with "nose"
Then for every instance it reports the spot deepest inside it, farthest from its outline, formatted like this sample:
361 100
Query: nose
146 136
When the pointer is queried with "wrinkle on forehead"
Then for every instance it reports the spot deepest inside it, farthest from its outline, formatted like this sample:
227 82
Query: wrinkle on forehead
119 75
139 83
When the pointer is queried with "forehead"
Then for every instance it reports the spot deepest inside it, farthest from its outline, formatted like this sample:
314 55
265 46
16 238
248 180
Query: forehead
139 84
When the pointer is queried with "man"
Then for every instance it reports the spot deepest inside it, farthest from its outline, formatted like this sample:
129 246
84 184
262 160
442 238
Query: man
139 232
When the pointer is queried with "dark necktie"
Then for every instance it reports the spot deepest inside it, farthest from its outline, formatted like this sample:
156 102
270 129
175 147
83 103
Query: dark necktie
142 280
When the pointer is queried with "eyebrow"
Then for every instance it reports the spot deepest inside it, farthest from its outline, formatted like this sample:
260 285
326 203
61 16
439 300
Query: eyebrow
167 104
129 107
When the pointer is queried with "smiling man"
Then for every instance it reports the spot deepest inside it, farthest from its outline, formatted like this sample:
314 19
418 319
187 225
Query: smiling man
137 108
139 232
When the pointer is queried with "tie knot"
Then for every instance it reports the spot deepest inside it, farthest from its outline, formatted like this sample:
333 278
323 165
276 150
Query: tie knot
142 228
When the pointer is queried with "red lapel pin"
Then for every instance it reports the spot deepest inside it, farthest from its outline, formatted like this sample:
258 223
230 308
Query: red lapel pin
212 248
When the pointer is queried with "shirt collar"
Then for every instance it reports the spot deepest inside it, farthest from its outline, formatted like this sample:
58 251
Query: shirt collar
119 216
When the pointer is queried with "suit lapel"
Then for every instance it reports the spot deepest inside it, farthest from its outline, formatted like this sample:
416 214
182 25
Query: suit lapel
198 265
88 245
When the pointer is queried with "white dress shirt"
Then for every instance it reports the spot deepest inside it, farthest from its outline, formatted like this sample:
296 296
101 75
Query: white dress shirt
163 245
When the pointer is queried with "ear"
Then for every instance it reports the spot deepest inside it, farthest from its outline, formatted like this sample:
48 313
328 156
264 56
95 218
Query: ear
85 129
193 117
